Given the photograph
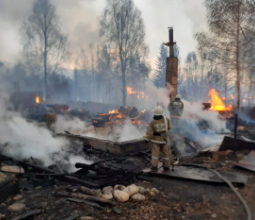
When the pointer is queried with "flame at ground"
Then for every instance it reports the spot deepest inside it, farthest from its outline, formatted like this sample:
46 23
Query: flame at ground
217 103
115 117
114 111
37 100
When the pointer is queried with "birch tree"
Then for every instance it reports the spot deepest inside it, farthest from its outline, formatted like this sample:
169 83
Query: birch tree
122 26
231 31
44 43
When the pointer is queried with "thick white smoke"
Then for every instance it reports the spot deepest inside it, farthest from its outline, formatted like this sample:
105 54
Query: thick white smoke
21 139
125 132
193 115
73 125
130 132
209 137
194 111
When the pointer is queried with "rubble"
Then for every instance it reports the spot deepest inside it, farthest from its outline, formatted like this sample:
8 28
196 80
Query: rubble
8 186
154 190
247 162
119 187
12 169
141 190
86 218
131 190
138 197
237 144
107 195
73 217
95 205
199 174
120 196
28 215
107 189
84 197
115 185
17 207
89 197
17 197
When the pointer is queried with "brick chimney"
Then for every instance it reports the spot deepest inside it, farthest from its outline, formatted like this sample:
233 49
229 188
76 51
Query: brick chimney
172 65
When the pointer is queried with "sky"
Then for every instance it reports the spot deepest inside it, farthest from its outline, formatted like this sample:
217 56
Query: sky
80 21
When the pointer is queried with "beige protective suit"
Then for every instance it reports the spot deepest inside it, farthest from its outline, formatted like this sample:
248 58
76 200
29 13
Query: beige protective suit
176 109
157 132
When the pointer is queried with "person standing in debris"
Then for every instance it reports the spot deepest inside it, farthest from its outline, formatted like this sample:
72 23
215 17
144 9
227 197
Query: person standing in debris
157 134
176 109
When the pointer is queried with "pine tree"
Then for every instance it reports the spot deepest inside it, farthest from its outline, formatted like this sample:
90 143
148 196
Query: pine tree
160 78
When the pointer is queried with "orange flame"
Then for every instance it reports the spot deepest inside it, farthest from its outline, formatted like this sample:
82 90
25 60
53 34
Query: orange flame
217 103
37 100
137 122
137 94
130 91
114 111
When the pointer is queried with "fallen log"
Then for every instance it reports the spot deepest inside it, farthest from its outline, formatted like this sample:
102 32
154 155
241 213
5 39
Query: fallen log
85 197
27 215
95 205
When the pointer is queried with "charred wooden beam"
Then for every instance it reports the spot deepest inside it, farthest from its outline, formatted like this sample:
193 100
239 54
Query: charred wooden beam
85 197
92 204
28 214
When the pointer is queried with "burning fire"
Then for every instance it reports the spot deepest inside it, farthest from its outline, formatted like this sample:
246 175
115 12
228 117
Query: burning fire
241 128
114 111
217 103
37 100
115 117
137 94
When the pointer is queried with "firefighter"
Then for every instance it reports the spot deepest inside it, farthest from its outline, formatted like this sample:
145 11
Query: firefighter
176 109
157 134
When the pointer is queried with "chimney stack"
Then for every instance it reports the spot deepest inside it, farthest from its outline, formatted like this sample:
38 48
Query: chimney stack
171 42
172 65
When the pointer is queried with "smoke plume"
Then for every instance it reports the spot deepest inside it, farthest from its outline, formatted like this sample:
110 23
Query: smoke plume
20 139
203 126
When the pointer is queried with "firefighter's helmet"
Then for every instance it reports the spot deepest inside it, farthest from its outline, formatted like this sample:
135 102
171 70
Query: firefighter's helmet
158 111
178 96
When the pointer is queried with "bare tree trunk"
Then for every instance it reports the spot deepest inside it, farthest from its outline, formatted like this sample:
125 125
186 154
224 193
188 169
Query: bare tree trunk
45 61
93 73
124 96
237 61
225 83
93 81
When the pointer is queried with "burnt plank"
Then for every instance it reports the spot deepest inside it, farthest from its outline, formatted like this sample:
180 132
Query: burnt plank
198 174
92 204
27 214
248 162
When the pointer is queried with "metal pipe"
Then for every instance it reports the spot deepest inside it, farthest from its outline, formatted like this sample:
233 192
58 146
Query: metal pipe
171 42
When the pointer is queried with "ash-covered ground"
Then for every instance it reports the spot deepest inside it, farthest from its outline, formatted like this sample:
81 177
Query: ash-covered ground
177 199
